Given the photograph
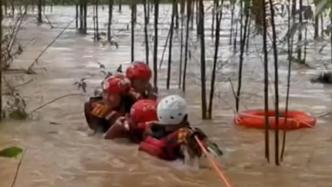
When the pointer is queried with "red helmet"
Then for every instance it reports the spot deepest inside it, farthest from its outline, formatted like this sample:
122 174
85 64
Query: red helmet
116 84
143 111
139 70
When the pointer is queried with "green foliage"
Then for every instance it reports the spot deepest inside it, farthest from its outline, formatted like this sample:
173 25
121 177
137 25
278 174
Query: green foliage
11 152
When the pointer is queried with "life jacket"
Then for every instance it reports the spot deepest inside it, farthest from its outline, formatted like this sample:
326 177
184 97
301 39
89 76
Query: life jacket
95 123
102 124
161 144
136 131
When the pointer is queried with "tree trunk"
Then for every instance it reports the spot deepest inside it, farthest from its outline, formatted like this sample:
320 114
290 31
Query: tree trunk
170 46
203 71
290 54
76 17
13 7
120 6
316 26
243 42
97 20
176 15
213 17
215 59
146 34
266 83
6 7
110 15
276 83
132 31
85 7
1 63
181 41
155 52
189 15
232 24
299 51
40 20
81 16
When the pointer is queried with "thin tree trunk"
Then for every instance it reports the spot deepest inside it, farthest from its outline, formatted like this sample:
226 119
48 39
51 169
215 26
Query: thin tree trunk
299 51
192 7
331 34
248 38
13 7
322 25
294 7
213 17
176 15
133 31
203 71
81 16
215 59
146 34
110 16
181 41
189 15
120 6
76 17
232 23
97 20
155 52
170 46
40 19
6 7
276 77
290 54
316 26
85 9
243 42
149 9
266 84
1 63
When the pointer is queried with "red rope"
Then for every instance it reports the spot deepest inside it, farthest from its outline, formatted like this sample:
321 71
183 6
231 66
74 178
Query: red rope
214 164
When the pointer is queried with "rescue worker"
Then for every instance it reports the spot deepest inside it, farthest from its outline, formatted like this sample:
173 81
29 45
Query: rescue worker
101 112
139 75
166 138
142 114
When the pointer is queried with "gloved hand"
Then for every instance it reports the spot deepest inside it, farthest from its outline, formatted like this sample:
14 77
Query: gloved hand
199 133
135 95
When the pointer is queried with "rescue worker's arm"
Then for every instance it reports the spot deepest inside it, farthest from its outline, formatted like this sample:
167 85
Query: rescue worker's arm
120 129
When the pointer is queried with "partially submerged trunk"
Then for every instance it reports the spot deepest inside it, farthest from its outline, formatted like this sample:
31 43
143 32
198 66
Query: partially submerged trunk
203 71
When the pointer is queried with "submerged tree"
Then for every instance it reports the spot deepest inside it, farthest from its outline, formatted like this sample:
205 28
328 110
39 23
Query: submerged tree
170 46
276 81
243 42
203 71
266 81
189 15
218 17
1 59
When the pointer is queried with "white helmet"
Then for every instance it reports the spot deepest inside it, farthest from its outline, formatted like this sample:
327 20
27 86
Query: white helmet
171 110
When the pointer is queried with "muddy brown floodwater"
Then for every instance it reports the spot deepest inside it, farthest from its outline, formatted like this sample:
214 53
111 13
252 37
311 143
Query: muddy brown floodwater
61 152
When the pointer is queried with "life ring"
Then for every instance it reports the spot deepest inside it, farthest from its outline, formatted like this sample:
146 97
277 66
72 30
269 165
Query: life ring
256 119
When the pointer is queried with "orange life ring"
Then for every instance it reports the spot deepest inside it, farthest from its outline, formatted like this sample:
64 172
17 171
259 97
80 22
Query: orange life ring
256 119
